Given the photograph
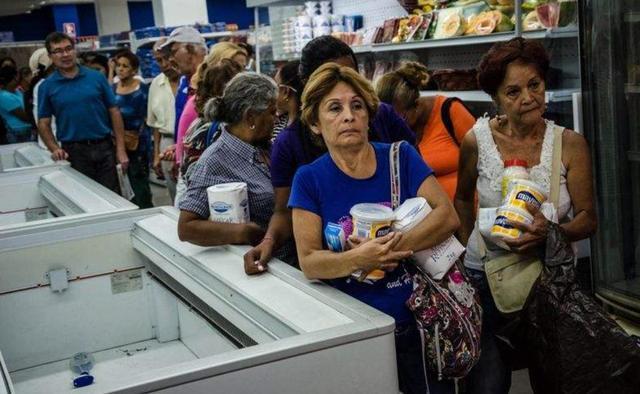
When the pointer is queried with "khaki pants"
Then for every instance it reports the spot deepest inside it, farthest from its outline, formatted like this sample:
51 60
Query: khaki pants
166 141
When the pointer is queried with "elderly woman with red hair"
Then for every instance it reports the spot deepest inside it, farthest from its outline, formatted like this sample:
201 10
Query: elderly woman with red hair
513 73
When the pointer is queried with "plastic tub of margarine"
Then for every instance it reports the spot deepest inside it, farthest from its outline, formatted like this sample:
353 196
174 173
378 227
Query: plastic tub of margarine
523 192
501 227
371 220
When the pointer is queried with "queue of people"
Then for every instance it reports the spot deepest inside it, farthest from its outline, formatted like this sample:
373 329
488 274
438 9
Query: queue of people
312 143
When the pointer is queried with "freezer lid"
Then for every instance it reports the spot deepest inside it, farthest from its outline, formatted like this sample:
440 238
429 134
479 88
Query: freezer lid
70 192
32 155
278 304
5 380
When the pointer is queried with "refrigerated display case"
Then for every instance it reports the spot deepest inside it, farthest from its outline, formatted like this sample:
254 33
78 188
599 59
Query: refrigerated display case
25 155
610 33
50 192
158 314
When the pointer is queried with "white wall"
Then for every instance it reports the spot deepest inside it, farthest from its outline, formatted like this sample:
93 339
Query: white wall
183 12
112 16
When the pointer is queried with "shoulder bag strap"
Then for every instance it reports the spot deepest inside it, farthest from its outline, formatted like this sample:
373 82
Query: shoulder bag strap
394 168
554 193
445 115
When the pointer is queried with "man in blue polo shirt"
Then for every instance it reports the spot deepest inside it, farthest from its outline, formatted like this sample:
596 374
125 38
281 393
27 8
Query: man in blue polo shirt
86 114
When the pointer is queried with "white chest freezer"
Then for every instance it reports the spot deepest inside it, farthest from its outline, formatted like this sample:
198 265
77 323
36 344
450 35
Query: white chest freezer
45 193
160 315
15 157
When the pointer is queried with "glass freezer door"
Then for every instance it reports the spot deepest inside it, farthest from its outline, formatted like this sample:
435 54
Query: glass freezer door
611 87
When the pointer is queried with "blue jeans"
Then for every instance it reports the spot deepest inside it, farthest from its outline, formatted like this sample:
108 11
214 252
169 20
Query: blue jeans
13 138
492 373
410 366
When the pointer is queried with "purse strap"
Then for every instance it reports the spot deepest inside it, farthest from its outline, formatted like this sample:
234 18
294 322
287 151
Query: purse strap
394 169
554 193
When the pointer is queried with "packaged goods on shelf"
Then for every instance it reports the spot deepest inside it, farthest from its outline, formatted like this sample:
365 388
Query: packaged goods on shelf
455 80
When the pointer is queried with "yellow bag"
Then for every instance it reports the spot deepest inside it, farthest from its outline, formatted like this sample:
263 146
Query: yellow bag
131 140
511 279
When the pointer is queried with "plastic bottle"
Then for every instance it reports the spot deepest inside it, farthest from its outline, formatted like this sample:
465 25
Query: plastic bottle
513 169
81 363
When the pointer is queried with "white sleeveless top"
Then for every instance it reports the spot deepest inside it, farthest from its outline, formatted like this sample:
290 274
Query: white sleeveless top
489 184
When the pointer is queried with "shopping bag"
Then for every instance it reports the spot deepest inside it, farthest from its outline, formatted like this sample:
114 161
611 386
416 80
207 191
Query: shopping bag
126 190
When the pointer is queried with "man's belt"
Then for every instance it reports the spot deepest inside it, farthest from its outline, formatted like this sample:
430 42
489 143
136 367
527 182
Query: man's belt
89 142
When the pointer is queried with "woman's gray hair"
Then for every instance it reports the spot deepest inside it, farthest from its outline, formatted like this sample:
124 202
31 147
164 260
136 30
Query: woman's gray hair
247 91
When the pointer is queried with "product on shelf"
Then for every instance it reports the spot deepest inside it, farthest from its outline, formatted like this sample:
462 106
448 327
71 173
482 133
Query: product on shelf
568 12
505 6
548 14
451 23
531 22
455 80
481 24
423 28
389 30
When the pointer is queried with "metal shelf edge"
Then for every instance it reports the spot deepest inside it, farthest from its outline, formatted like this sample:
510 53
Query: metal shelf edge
553 96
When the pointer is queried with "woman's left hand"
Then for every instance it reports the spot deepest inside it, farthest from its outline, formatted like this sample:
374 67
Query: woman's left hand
533 234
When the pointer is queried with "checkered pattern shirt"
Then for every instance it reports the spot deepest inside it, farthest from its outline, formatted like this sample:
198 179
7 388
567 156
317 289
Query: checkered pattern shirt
230 159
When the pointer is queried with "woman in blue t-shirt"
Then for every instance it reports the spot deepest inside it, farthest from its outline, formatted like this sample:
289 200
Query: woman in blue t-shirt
337 105
296 146
131 98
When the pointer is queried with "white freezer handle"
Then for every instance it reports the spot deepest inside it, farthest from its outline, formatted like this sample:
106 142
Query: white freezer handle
5 380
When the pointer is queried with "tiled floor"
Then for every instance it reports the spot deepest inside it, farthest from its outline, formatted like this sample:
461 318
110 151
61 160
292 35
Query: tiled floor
520 383
160 195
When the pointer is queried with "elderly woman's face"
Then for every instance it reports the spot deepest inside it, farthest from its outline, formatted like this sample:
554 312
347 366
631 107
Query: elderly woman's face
522 93
264 123
343 119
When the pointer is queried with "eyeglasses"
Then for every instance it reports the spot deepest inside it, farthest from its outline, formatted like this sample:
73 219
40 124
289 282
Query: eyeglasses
287 87
60 51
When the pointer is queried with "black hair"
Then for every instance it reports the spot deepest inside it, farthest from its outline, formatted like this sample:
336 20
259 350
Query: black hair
289 76
55 38
7 74
321 50
24 72
248 48
134 62
9 59
317 52
96 58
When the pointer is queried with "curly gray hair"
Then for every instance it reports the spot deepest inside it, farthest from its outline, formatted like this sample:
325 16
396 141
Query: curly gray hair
247 91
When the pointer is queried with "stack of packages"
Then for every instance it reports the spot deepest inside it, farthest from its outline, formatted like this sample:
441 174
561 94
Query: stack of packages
316 19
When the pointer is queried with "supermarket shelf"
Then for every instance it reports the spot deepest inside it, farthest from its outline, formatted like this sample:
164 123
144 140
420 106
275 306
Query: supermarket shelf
464 95
552 96
560 32
631 88
272 3
362 48
150 40
109 48
443 42
224 33
567 32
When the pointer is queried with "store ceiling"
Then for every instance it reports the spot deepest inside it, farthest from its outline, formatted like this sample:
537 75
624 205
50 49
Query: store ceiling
14 7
